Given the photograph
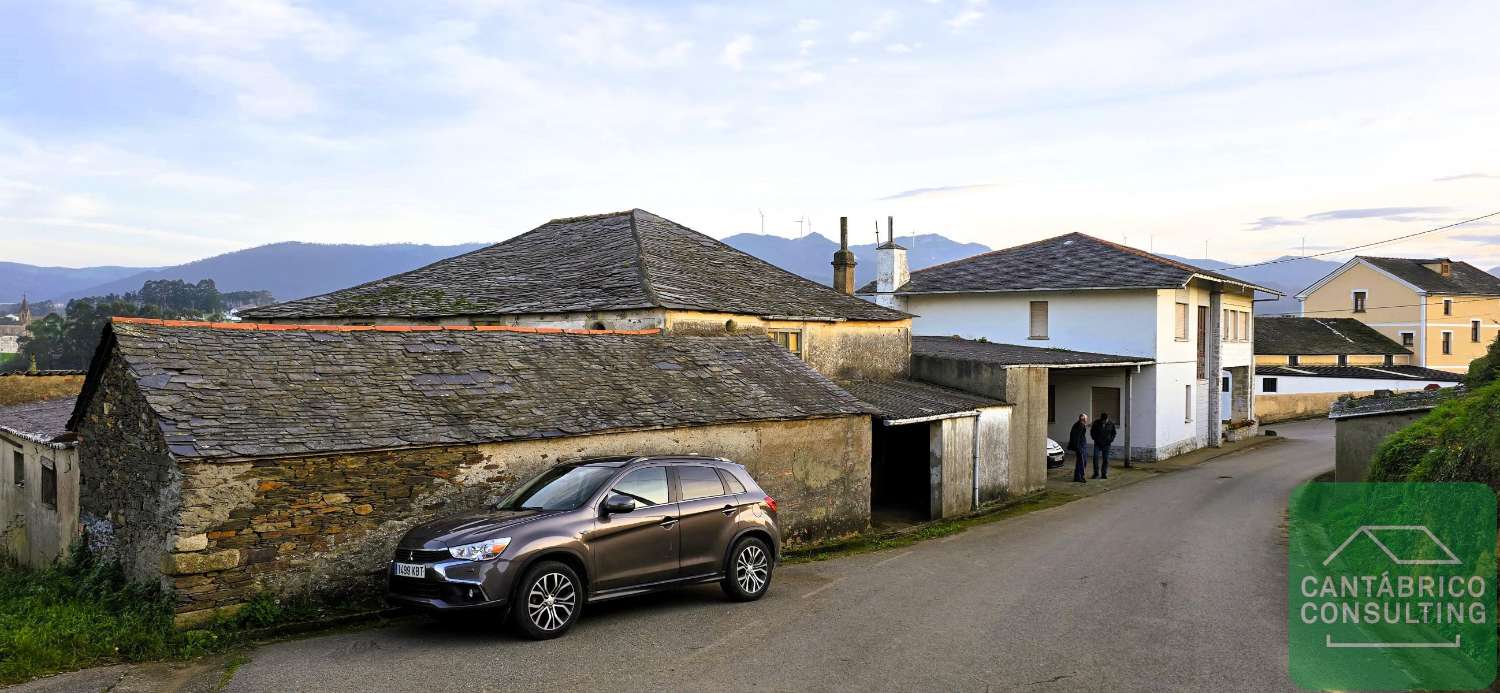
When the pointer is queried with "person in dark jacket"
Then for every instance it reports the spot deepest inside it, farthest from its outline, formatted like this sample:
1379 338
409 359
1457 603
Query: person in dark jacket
1078 442
1103 433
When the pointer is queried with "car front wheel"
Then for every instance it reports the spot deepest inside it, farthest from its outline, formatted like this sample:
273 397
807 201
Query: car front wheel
749 574
548 602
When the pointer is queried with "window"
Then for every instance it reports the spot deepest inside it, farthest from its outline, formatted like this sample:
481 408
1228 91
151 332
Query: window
1473 330
1226 329
647 486
1268 385
49 483
1180 325
1359 301
790 339
1038 319
731 483
1343 359
1224 384
1390 360
1408 339
1447 342
699 482
566 487
18 467
1447 306
1291 360
1187 404
1245 318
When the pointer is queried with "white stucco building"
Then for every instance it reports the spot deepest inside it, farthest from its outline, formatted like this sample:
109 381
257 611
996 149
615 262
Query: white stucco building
1186 330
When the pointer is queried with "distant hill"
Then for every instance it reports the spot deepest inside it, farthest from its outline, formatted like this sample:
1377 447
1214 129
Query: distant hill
288 270
811 256
1287 277
40 283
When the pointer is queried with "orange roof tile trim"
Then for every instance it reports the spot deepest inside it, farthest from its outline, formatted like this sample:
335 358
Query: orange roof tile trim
269 327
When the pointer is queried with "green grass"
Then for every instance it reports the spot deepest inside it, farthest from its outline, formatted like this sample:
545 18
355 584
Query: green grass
82 612
880 541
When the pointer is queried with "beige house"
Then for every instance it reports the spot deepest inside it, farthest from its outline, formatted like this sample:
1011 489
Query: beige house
1446 312
38 481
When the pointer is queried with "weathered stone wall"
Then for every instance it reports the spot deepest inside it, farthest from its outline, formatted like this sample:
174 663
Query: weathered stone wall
129 493
1356 438
849 350
1293 406
984 379
329 523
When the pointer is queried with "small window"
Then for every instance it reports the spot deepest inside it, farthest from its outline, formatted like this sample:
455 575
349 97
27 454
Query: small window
49 484
1291 360
1227 325
1038 319
699 482
1408 339
1268 385
1180 325
1187 403
1224 384
1473 330
1359 301
648 486
730 482
18 468
1447 342
1447 306
1343 359
1390 360
790 339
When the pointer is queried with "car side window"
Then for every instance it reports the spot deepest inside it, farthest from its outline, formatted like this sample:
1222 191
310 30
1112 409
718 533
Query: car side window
647 486
699 482
731 483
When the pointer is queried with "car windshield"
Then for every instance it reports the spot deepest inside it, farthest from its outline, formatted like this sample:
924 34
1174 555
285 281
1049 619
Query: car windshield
559 488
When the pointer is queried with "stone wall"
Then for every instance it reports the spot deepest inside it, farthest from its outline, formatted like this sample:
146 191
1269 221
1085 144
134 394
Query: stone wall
1356 438
844 350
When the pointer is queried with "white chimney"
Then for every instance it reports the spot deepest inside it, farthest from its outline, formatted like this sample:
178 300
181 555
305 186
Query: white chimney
890 269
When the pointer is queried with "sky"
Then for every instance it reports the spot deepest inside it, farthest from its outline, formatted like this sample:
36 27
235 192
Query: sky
146 134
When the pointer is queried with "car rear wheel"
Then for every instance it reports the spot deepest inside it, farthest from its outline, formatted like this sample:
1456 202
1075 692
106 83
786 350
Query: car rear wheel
749 573
548 601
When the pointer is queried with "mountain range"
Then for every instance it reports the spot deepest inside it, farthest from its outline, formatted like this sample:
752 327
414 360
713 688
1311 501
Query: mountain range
295 270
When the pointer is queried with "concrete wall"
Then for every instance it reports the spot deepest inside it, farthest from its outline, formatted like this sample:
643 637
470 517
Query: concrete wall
1027 390
1079 320
952 465
1357 438
32 532
1288 407
1298 385
1376 360
984 379
850 349
1001 473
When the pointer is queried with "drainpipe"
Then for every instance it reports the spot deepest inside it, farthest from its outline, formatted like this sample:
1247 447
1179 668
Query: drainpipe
976 460
1129 411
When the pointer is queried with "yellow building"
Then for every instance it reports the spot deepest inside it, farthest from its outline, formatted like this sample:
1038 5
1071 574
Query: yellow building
1446 312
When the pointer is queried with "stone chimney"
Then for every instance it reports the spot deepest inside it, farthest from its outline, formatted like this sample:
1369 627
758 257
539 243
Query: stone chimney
843 261
890 268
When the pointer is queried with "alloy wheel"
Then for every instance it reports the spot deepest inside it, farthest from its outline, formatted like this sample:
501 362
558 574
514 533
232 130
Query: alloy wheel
551 601
751 568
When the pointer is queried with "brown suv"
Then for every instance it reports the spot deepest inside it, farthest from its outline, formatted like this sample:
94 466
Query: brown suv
593 530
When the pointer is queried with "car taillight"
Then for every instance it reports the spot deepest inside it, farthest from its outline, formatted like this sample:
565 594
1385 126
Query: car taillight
770 503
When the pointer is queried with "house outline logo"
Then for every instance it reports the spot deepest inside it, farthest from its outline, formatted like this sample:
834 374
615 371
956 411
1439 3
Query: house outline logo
1370 530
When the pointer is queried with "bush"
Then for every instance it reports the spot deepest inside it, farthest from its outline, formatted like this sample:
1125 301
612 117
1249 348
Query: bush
1485 369
1457 441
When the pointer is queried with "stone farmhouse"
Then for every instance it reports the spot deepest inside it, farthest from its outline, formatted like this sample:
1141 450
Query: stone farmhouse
1303 365
1446 312
1147 339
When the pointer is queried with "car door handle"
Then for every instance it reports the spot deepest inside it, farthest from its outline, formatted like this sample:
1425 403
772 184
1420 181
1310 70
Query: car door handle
668 523
728 510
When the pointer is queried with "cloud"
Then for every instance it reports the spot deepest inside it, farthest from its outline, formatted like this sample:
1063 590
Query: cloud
964 18
805 47
734 51
1492 238
1383 213
1264 223
808 24
877 28
860 36
898 48
940 190
1467 176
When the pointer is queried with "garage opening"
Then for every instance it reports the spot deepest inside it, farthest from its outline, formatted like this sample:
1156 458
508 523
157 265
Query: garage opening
900 474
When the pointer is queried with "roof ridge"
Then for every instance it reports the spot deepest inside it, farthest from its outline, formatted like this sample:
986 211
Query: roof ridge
992 252
588 217
280 327
640 259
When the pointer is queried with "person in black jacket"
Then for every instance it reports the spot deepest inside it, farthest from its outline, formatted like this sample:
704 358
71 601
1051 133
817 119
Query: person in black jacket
1103 433
1078 442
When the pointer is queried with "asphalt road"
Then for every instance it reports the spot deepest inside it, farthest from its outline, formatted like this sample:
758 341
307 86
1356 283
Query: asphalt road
1176 583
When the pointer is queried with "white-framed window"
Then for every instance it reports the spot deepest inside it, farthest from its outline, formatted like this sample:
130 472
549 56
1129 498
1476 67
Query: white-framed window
1268 385
1180 323
790 339
1359 296
1447 342
1408 339
1187 404
1038 320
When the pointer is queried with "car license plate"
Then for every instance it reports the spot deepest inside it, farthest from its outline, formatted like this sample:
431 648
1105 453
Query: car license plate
410 570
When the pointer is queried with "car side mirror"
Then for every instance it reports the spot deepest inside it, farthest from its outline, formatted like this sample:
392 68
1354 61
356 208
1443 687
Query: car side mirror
617 504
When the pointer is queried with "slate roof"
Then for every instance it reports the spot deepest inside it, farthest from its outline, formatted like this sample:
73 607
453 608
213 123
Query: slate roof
621 261
1421 400
41 422
1001 354
1416 373
1464 279
897 400
1321 336
252 391
1070 261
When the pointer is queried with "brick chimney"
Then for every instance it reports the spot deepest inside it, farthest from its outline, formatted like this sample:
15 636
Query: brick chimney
843 261
890 268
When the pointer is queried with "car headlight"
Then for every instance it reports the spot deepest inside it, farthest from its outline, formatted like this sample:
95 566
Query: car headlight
480 551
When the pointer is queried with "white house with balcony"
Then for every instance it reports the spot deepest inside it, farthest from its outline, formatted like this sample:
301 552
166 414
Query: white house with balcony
1184 332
